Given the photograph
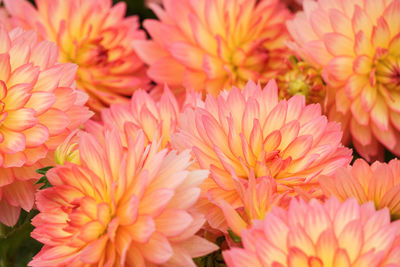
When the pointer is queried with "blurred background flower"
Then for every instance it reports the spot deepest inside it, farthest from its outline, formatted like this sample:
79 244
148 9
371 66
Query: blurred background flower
213 45
356 44
94 35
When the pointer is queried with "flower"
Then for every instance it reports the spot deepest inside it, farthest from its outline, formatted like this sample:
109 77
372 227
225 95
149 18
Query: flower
157 119
121 206
39 108
302 78
251 131
68 151
212 45
379 183
95 36
316 234
357 45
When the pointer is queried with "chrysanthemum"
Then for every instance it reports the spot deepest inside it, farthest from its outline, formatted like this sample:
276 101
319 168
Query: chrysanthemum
121 206
357 44
212 45
314 234
379 183
251 131
94 35
39 107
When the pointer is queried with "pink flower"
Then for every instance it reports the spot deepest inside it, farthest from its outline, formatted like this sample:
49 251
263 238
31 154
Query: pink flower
128 206
157 119
379 183
250 131
94 35
356 44
212 45
314 234
39 108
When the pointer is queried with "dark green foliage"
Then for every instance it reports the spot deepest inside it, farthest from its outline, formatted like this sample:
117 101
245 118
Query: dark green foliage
17 247
43 180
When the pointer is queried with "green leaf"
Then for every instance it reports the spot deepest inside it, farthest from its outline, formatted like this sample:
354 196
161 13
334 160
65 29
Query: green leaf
234 236
44 170
43 180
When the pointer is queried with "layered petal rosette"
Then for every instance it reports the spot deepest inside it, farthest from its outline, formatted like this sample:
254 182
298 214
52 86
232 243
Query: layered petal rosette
357 44
379 183
250 132
315 234
122 206
94 35
39 107
212 45
157 119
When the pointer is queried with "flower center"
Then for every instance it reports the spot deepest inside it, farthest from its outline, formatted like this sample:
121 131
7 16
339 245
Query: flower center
92 54
387 71
301 79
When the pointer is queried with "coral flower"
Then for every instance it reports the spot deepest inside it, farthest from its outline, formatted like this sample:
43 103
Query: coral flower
157 119
39 106
251 131
212 45
357 44
314 234
94 35
120 207
379 183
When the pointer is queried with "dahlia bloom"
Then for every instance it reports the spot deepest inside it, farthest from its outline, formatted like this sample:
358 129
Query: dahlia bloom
251 131
121 206
157 119
357 44
314 234
212 45
379 183
39 108
304 79
94 35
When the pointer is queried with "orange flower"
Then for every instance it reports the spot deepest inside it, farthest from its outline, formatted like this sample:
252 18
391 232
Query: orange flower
121 206
95 36
379 183
314 234
357 44
251 131
212 45
39 107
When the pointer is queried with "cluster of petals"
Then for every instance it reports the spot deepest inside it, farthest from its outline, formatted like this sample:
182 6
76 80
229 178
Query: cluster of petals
94 35
250 132
157 119
212 45
122 206
39 107
379 183
257 196
320 234
357 44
